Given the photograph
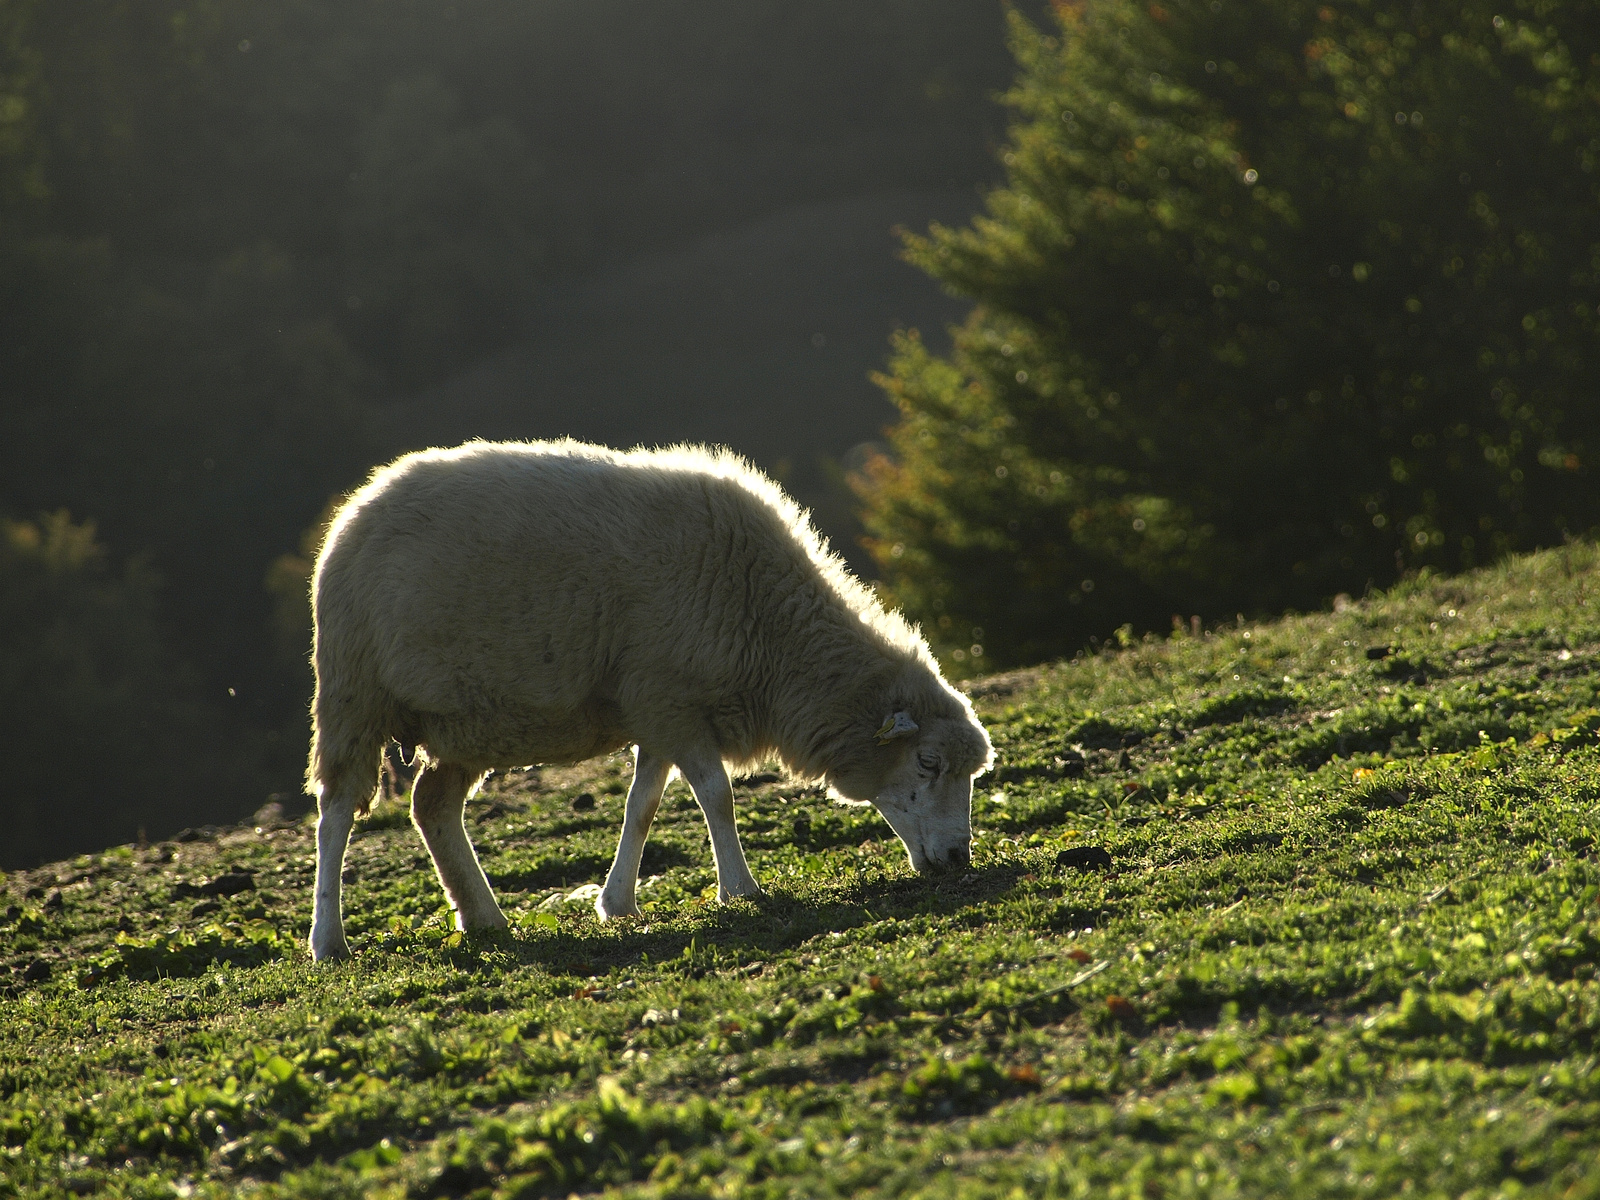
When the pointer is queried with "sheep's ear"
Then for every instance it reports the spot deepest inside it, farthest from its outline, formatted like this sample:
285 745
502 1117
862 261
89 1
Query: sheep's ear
894 726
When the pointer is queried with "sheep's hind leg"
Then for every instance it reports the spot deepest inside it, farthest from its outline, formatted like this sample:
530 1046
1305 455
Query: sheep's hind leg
618 898
438 807
709 779
336 813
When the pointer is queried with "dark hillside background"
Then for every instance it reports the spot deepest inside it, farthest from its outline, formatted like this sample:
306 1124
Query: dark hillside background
759 336
246 252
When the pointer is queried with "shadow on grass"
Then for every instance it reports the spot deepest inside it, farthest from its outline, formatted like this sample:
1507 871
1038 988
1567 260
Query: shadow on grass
555 871
755 930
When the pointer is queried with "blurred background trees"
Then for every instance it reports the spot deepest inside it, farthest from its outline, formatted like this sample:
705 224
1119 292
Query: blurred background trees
248 251
1278 300
94 700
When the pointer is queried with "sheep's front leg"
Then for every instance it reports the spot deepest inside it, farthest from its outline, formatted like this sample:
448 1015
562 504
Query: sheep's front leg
438 807
618 898
709 779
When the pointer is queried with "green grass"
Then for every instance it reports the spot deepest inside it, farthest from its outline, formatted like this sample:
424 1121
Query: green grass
1346 946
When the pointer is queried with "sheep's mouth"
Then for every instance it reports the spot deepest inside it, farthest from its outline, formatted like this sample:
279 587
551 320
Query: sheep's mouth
957 858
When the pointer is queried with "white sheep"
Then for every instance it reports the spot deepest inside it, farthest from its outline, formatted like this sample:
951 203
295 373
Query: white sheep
502 604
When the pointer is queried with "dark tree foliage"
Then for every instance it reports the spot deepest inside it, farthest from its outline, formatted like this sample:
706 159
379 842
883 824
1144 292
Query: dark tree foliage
231 233
95 705
1280 299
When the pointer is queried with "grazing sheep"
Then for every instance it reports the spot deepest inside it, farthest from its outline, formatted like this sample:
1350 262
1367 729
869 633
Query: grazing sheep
502 604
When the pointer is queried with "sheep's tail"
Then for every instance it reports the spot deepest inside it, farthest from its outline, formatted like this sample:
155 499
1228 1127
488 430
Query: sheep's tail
343 762
347 736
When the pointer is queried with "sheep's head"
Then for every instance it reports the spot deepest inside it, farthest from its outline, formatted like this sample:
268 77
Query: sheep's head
924 786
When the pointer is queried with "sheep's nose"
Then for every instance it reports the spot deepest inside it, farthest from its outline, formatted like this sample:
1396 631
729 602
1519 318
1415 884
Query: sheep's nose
960 857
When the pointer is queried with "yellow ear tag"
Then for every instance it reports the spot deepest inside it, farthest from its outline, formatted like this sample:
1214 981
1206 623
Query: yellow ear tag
885 732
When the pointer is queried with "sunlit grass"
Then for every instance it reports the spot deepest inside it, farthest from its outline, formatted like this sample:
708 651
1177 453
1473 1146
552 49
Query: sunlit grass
1346 946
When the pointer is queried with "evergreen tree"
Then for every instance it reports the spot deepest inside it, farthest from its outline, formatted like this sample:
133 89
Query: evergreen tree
1281 298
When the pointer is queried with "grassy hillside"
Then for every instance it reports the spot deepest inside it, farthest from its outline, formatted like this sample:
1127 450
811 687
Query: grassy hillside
1298 909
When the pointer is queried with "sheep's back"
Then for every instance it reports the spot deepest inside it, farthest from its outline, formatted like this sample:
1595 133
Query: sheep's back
538 578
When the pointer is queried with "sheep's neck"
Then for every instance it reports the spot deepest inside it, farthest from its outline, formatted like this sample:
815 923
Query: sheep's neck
829 693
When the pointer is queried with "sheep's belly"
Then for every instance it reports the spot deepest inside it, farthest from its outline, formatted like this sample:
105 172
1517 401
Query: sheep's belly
508 736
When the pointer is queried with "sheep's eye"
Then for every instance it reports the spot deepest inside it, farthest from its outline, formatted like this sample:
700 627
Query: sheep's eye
928 763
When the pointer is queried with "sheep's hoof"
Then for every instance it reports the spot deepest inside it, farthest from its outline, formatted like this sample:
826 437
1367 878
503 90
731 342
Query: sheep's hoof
338 951
753 892
607 911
